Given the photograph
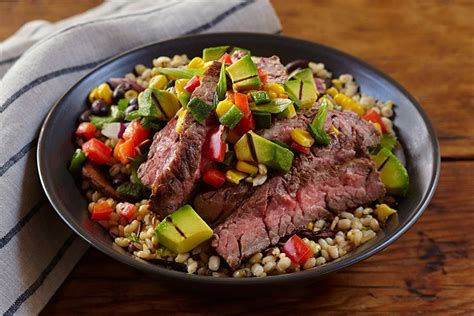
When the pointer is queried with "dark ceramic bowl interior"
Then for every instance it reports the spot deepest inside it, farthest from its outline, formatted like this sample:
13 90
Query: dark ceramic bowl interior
415 133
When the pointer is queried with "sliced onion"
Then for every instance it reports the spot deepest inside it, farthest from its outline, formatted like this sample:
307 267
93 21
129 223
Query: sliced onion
320 86
122 129
113 130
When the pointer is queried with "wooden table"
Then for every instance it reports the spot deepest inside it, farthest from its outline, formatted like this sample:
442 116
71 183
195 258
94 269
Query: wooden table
428 46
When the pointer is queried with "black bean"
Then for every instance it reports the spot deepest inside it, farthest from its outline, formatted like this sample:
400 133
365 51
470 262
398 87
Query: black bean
130 108
119 179
170 84
119 91
133 101
296 64
85 116
99 107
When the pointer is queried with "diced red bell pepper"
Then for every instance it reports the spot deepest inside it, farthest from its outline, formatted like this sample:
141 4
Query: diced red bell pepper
214 177
127 210
374 117
301 149
192 84
101 211
124 150
296 249
86 130
242 102
263 77
97 151
214 147
230 96
136 132
226 59
247 123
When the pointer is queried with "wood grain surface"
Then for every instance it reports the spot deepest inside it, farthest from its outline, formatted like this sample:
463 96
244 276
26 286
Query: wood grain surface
428 46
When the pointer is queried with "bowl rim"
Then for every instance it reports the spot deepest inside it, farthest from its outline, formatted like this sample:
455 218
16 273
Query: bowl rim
314 274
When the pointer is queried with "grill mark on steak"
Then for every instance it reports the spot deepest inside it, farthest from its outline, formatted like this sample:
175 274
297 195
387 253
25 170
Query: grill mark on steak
174 163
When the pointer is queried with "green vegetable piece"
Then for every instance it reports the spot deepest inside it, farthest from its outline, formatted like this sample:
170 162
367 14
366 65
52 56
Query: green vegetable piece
274 106
262 119
304 74
221 84
122 104
260 97
244 74
183 230
78 158
388 141
253 147
133 237
232 117
134 164
180 73
282 144
283 114
152 123
132 116
131 190
213 53
199 109
100 121
229 158
183 98
159 104
235 48
316 128
392 172
303 92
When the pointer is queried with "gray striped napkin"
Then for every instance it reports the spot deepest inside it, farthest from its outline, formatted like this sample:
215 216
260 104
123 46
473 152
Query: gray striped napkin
39 63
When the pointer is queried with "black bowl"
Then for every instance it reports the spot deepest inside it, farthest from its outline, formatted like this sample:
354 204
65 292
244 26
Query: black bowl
415 132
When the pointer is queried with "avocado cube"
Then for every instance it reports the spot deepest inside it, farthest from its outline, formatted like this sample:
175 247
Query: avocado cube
213 53
158 103
244 74
183 230
253 147
303 92
392 172
304 74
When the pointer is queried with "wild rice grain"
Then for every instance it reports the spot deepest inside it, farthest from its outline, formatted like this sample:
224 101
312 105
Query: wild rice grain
344 224
182 257
256 258
320 261
374 224
333 252
269 266
334 223
268 259
192 266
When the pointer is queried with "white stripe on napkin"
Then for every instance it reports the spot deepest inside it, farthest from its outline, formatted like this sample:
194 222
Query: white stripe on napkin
43 60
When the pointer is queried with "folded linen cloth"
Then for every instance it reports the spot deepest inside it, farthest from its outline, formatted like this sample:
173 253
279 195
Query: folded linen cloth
37 65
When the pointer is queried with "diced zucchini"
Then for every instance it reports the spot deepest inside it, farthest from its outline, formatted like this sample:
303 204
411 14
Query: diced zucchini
199 109
232 117
262 119
260 97
274 106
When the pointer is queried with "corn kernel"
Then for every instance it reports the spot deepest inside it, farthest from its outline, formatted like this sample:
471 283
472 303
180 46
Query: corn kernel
158 82
334 130
179 85
105 93
310 226
272 94
291 111
337 83
383 212
302 137
196 63
332 91
377 127
235 176
246 167
93 95
130 94
275 87
223 107
179 124
348 104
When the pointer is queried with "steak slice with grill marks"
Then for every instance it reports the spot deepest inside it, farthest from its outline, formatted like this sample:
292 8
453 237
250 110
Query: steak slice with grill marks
331 179
273 68
174 163
356 135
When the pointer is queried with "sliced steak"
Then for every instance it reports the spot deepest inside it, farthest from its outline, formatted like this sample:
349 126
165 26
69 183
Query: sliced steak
331 179
99 180
287 203
355 138
273 68
174 163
